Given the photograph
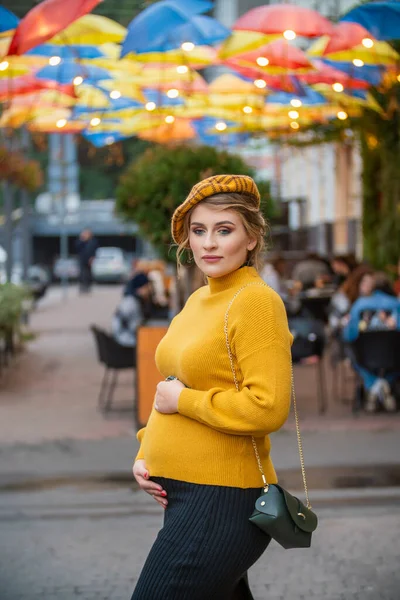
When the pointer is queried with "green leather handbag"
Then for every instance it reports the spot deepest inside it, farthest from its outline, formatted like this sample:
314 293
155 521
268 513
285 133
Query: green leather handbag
279 514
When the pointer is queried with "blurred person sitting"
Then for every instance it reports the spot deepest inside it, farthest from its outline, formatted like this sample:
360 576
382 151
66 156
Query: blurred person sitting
360 282
132 311
273 273
341 268
377 312
85 247
157 278
310 269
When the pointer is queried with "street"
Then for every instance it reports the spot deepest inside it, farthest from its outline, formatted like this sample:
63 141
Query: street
90 541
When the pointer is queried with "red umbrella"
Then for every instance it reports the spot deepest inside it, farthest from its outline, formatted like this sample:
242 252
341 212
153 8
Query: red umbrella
346 35
26 84
279 18
45 20
278 54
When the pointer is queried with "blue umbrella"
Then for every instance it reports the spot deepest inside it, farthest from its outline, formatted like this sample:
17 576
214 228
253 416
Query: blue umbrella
372 74
161 99
156 26
200 30
309 98
382 19
66 72
204 128
67 52
100 139
8 21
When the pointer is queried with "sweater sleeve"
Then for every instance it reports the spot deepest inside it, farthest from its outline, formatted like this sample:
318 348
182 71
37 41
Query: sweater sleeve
260 341
139 436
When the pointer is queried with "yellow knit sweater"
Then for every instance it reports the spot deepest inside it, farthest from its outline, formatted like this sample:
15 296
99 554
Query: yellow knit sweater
209 440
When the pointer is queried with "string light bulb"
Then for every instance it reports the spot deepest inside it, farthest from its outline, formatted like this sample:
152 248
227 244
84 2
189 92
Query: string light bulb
367 42
150 106
293 114
296 103
260 84
357 62
337 87
187 46
95 121
4 65
61 123
115 94
182 69
289 34
173 93
221 126
262 61
78 80
247 110
169 119
294 125
342 115
54 61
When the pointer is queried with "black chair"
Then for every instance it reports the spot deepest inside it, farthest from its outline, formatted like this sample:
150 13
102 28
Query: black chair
115 358
309 340
379 353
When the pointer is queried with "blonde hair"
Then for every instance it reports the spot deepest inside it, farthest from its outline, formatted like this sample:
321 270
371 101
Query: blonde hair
252 218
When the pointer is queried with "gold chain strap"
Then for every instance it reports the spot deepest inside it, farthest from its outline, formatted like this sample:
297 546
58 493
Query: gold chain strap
296 416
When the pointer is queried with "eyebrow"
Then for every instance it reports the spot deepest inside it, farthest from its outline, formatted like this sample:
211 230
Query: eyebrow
216 224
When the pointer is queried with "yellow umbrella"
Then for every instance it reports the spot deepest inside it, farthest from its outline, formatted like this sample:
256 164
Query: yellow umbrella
228 83
347 100
127 88
243 41
92 30
13 66
199 57
178 131
16 116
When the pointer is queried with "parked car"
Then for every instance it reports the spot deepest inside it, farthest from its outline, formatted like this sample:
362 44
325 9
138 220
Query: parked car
110 265
66 268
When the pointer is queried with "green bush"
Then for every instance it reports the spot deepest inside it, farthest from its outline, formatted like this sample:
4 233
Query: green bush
12 298
161 178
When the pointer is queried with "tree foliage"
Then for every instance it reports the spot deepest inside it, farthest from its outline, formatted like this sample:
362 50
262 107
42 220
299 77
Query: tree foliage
155 184
18 170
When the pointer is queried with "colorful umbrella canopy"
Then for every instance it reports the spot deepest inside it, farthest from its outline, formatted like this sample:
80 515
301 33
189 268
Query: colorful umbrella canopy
380 54
178 131
71 52
382 19
8 21
91 30
280 18
198 58
370 73
324 73
45 20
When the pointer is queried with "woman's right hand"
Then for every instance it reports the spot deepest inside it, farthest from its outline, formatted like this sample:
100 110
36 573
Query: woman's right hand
142 476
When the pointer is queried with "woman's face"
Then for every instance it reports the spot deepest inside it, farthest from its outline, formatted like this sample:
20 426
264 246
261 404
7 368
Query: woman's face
367 285
218 240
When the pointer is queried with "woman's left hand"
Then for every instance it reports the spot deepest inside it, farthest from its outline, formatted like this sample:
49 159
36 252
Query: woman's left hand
167 395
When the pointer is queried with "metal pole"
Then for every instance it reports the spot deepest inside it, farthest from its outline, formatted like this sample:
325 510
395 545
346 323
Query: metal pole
25 205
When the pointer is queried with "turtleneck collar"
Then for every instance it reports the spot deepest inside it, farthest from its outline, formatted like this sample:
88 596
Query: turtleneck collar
232 280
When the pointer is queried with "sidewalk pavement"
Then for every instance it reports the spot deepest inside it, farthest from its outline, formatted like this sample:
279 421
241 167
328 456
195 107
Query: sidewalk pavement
50 426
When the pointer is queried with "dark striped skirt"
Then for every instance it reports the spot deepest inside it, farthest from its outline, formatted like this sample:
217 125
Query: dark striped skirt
205 547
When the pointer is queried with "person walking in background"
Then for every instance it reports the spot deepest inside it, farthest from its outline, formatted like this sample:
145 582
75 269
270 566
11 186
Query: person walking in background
85 246
196 457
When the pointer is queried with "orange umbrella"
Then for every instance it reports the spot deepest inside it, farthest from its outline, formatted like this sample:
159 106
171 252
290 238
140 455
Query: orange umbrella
45 20
178 131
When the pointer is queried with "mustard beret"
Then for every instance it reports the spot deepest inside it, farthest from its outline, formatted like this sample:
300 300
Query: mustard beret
217 184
